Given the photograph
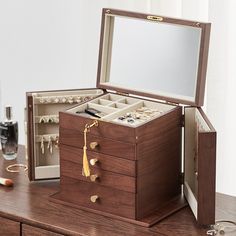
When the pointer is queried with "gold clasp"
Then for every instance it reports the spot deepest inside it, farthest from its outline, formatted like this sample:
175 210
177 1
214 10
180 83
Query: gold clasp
88 127
86 169
155 18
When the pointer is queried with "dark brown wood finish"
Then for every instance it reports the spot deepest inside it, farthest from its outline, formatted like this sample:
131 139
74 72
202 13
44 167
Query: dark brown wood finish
202 65
29 204
75 122
158 127
205 27
107 146
105 162
206 175
159 171
30 135
9 227
156 158
105 178
110 200
28 230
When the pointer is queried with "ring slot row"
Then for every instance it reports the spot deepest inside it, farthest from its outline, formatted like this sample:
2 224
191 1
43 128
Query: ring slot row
70 99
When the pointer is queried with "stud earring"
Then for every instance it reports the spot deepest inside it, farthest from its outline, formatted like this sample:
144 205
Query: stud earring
56 100
63 100
41 100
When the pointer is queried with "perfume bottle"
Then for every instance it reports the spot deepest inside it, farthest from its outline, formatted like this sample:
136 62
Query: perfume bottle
9 135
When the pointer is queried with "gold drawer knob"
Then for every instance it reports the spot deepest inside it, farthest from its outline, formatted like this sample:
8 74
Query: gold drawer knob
94 198
93 145
93 178
93 161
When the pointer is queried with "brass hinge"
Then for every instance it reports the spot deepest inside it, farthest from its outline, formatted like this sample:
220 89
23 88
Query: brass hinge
172 103
122 93
183 121
182 178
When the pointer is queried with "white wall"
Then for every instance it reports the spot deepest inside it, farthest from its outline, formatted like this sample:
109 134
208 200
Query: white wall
49 44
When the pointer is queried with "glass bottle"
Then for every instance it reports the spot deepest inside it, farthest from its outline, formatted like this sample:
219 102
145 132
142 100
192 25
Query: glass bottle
9 135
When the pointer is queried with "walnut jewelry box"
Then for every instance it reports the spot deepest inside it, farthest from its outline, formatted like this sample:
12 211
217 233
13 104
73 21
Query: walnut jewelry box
142 145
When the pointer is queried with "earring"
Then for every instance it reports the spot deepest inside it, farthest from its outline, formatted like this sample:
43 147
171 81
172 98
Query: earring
50 120
48 100
56 100
42 120
63 100
41 100
42 145
70 100
50 144
57 142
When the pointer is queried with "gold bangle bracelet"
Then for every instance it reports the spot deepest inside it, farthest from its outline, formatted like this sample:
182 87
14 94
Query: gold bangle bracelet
16 168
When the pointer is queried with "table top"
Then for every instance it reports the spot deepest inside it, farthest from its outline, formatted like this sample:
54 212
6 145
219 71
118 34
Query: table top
29 202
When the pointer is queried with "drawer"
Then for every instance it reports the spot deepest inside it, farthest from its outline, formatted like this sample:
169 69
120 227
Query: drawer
109 200
9 227
99 177
103 161
118 132
28 230
106 146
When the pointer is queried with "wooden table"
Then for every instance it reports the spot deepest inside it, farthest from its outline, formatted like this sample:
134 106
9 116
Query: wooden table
26 209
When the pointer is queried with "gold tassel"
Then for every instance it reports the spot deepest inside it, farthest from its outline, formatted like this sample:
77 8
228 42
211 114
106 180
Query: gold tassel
86 169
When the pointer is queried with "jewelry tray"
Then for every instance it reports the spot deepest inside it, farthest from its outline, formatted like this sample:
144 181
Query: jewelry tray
124 110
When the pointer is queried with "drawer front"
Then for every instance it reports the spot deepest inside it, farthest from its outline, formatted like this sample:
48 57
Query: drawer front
109 200
104 129
99 177
28 230
105 146
9 227
103 161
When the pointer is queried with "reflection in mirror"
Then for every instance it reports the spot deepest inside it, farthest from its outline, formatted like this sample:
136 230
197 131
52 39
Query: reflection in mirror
151 57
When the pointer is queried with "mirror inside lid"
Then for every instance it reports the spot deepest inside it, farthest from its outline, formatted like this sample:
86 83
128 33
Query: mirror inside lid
153 56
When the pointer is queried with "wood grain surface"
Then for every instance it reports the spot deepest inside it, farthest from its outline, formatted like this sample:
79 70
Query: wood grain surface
105 162
71 137
105 178
9 227
28 230
29 203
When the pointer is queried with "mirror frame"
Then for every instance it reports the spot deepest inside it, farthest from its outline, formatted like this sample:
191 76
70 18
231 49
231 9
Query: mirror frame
106 43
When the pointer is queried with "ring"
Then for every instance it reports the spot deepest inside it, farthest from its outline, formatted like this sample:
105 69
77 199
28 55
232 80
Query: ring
11 168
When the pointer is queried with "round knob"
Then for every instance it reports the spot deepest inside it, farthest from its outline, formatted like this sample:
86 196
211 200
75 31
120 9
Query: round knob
94 198
93 145
93 178
93 161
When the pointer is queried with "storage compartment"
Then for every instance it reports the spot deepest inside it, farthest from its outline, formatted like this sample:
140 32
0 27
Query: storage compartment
43 128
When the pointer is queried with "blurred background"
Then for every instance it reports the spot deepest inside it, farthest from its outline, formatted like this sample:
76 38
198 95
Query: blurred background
53 44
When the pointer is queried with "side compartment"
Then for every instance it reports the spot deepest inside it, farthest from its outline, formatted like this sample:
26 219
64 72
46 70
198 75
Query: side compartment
200 165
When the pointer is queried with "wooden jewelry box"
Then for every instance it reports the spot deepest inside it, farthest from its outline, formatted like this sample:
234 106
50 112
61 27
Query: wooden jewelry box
42 133
134 156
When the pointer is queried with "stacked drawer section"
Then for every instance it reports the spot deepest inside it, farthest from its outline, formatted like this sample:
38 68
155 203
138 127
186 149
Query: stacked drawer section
134 171
112 185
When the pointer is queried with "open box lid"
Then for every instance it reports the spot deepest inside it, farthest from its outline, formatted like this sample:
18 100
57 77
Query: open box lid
153 56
